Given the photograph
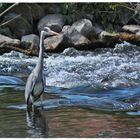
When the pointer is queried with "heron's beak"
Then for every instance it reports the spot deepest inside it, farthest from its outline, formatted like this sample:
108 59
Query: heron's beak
53 33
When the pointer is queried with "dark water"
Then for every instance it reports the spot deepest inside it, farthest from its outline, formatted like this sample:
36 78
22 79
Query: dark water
76 112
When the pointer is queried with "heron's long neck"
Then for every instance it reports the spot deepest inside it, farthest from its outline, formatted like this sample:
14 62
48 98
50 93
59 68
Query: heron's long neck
41 53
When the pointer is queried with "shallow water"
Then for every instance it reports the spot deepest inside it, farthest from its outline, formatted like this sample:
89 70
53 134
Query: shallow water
87 94
65 115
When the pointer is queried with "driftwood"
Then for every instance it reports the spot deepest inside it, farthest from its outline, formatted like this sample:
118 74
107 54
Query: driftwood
110 39
27 51
6 48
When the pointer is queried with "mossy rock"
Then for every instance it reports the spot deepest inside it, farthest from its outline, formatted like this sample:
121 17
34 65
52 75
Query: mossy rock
19 26
30 11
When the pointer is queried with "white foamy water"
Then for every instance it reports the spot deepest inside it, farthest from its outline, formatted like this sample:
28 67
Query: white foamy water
119 67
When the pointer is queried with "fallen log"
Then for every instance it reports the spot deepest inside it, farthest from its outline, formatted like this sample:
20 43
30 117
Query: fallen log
110 39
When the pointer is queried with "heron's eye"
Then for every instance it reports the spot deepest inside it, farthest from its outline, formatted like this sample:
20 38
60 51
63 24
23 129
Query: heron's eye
46 29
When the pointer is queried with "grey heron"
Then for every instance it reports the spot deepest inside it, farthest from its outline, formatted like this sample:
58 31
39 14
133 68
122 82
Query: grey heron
36 82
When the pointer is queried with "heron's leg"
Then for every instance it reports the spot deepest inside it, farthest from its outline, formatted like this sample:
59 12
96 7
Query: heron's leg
41 100
33 108
32 101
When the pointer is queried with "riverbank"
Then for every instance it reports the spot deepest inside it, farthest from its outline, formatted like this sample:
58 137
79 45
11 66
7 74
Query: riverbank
82 33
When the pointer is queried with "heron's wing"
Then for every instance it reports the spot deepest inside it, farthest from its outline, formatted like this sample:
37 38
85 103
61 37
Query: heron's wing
30 85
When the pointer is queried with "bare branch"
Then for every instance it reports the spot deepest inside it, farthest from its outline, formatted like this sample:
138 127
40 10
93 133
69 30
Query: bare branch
1 14
131 9
7 22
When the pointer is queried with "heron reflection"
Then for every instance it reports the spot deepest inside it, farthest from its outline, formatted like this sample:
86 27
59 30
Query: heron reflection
37 123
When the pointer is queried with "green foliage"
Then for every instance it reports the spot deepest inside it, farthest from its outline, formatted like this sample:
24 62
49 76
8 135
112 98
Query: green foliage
106 14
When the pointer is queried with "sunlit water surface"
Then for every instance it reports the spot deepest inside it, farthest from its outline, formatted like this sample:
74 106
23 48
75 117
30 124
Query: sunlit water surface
87 94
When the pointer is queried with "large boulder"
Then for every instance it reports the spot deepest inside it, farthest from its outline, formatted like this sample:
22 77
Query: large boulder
53 21
75 37
19 27
56 43
30 41
131 28
6 31
84 27
30 11
23 24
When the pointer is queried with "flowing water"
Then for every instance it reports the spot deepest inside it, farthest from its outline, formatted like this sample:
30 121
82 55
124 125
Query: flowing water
87 94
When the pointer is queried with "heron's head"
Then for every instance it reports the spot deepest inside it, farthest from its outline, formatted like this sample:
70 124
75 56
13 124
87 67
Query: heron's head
48 32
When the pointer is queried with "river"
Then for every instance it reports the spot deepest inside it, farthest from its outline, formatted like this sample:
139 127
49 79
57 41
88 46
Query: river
87 94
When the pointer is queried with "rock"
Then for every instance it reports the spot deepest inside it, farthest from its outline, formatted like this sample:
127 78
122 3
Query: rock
138 33
84 27
108 39
9 41
70 52
5 31
56 43
24 24
77 40
54 21
97 29
33 11
131 28
65 29
30 42
19 26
